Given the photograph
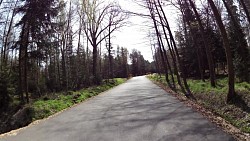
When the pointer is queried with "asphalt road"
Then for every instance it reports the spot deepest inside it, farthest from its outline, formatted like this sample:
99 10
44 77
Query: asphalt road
135 111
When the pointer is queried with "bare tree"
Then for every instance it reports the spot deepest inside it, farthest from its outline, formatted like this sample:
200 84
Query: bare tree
114 12
99 18
6 38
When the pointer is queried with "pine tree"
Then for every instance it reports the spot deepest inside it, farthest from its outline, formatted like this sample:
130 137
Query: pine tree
36 26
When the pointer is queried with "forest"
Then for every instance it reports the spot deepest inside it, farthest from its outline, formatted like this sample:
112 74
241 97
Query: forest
41 52
53 46
207 58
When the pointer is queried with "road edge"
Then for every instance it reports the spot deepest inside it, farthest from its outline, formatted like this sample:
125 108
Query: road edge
215 119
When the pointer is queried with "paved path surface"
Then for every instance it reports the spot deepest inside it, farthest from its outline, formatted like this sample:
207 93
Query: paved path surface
135 111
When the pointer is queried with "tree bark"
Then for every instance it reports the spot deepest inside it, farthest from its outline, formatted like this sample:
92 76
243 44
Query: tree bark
231 92
23 59
207 47
109 52
94 68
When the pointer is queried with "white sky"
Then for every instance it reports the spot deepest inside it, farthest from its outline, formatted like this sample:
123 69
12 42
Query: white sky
134 35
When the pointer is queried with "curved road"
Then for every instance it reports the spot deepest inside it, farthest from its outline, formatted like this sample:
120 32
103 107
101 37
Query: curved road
135 111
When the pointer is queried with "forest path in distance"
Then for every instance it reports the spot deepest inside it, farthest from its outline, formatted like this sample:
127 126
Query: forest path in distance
137 110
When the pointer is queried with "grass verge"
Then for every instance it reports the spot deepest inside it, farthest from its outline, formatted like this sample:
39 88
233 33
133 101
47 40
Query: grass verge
22 115
49 105
214 100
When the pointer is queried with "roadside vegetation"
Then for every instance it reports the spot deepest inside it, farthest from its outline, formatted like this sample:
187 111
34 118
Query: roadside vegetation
53 103
214 99
207 57
50 104
53 55
51 48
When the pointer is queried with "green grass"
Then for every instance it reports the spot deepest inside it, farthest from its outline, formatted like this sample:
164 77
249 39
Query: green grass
214 99
49 105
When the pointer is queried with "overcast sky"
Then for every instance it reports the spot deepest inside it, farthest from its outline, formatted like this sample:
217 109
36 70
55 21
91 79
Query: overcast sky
134 35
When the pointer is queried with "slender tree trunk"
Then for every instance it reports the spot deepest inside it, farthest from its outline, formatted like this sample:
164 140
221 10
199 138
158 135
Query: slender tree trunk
169 68
79 54
20 70
7 35
94 69
231 92
23 62
245 9
188 94
64 71
4 48
109 54
163 58
157 61
241 49
207 47
58 68
165 52
100 59
87 63
159 41
26 66
1 1
235 23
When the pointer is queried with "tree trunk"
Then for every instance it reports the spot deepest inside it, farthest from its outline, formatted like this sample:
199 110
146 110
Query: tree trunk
246 10
110 65
207 47
94 69
231 92
20 75
23 60
154 58
7 35
4 48
159 41
78 54
241 48
165 52
188 94
157 62
87 64
169 68
26 66
109 53
64 72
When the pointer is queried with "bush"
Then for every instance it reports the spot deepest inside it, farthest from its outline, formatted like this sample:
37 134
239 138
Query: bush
4 92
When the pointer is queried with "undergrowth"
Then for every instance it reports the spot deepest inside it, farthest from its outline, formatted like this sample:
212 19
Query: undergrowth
53 103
